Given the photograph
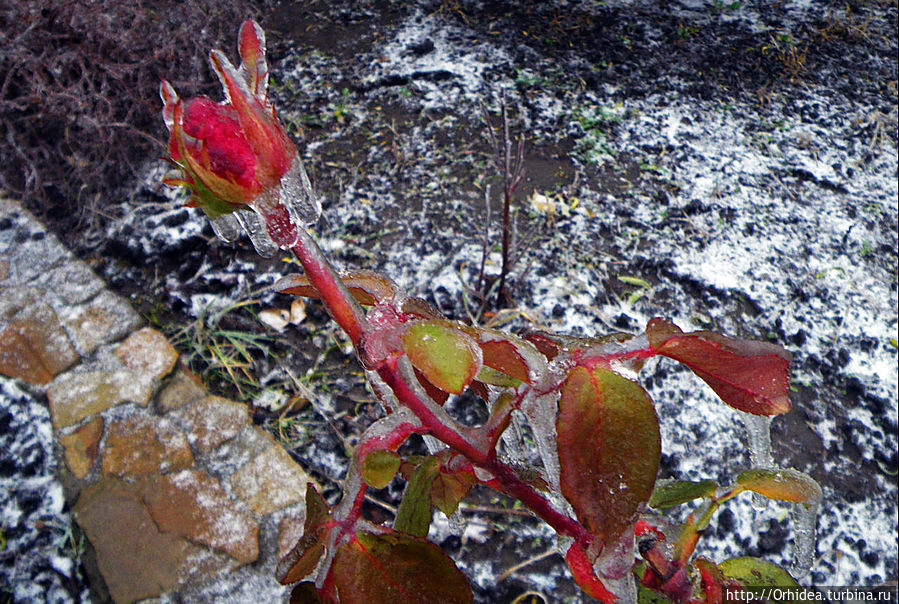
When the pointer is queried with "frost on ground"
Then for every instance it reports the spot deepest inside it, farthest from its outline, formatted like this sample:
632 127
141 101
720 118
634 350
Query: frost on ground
39 560
756 197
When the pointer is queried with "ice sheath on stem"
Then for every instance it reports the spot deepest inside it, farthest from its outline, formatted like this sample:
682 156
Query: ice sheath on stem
758 434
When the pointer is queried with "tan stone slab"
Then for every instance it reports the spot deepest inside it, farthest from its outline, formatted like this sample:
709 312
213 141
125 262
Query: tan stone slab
270 481
136 559
182 389
142 445
34 347
82 447
193 504
76 396
213 420
105 318
148 351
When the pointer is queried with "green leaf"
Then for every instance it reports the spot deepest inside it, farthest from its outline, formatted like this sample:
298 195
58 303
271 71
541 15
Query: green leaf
670 493
379 467
782 485
443 353
635 281
304 556
609 449
748 375
396 568
757 575
414 515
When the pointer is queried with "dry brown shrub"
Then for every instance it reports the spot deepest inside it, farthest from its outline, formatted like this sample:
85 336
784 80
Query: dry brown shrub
79 108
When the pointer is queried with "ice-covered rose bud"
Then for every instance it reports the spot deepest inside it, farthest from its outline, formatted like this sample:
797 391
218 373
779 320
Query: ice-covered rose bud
230 153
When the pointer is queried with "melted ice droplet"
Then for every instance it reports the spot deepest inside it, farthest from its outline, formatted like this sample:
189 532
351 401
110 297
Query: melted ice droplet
758 432
225 227
805 522
298 197
254 226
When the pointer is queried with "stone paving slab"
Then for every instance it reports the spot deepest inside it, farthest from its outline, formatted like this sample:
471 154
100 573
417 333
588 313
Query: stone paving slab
180 497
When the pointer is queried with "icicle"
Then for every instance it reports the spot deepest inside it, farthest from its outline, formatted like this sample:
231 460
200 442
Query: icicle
541 412
255 228
805 521
513 442
434 445
758 432
225 227
297 195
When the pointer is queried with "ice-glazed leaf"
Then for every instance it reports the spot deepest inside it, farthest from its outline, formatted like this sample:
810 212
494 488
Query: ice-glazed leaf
648 596
414 514
489 375
748 375
675 492
379 468
782 485
711 580
449 489
420 308
582 571
394 568
508 354
436 394
367 287
548 344
305 555
609 449
443 353
755 575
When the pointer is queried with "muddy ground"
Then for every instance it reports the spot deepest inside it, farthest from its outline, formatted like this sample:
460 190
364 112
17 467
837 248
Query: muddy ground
728 165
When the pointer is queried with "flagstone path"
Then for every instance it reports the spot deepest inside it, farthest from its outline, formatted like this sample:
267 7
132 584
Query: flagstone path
180 497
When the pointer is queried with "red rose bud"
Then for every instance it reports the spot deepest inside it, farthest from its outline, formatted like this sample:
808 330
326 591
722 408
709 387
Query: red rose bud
230 153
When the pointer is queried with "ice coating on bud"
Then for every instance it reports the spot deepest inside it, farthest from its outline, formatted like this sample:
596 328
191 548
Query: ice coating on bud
254 226
758 434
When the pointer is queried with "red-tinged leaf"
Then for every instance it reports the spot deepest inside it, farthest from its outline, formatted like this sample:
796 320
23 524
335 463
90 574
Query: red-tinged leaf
304 556
421 308
443 353
414 514
367 287
437 395
549 345
782 485
711 580
748 375
609 449
397 568
379 467
582 571
508 356
449 489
